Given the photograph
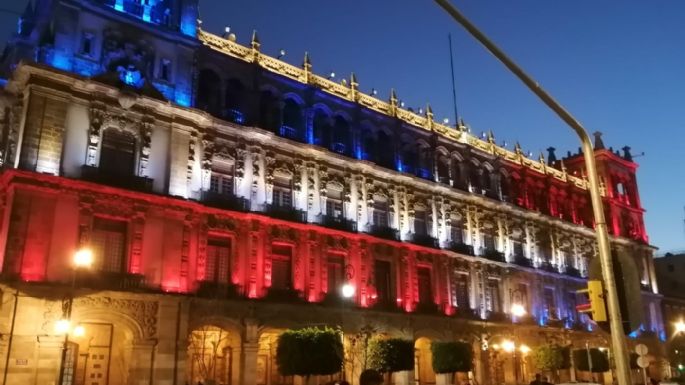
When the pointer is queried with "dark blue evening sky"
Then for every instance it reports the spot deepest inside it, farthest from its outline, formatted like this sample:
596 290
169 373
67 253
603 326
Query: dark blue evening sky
619 67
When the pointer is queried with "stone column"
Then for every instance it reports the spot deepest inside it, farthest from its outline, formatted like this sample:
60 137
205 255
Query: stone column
480 363
249 369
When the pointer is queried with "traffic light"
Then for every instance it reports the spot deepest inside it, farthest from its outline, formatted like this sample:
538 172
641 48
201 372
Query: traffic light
596 306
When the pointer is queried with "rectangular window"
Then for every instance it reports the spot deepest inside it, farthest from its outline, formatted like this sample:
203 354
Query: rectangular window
425 287
87 43
462 286
571 303
489 241
334 203
109 244
383 277
456 232
550 303
517 247
420 222
336 274
282 193
218 263
493 303
281 270
165 70
380 213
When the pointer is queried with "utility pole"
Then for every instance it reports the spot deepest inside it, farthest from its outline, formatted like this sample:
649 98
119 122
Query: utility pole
615 321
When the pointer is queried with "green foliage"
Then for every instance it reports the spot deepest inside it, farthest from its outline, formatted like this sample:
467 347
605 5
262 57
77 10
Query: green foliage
450 357
309 351
600 361
552 357
391 355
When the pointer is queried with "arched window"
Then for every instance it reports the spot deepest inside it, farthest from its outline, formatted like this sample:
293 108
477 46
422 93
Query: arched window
209 92
505 187
457 173
322 129
292 120
386 153
118 153
409 157
341 133
486 182
443 169
424 162
369 147
235 96
475 180
269 111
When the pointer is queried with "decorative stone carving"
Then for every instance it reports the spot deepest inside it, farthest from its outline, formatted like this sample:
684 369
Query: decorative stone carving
143 312
145 129
98 116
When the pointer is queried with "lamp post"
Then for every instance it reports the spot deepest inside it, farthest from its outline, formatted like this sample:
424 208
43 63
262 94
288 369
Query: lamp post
617 338
83 258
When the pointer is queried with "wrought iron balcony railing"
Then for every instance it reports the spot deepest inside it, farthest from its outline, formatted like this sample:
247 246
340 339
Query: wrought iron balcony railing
461 248
425 240
218 290
287 213
384 232
337 223
522 261
110 280
492 254
572 271
129 182
225 201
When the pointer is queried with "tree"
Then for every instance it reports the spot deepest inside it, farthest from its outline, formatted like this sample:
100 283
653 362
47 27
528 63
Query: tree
599 359
391 355
451 357
309 351
552 358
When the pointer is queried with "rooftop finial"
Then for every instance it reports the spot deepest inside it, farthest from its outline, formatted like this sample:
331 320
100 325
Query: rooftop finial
429 112
599 144
491 137
551 156
393 102
542 158
626 154
517 149
255 40
307 66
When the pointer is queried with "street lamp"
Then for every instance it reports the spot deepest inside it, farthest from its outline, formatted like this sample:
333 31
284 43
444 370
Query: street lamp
615 321
83 258
348 290
679 327
517 310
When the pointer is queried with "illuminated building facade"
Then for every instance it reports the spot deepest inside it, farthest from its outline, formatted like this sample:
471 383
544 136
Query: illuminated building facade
227 195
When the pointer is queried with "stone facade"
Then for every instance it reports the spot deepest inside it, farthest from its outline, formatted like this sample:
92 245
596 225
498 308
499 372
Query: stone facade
243 215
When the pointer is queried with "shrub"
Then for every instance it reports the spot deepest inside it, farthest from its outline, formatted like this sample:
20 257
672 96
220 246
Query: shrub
309 351
391 355
551 357
450 357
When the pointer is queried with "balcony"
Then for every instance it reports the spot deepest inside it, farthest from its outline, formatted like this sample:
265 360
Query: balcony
384 232
424 173
548 266
217 290
129 182
424 240
286 213
283 295
444 180
572 271
492 254
522 261
109 280
387 306
467 313
337 223
461 248
338 147
427 308
289 132
225 201
234 116
495 316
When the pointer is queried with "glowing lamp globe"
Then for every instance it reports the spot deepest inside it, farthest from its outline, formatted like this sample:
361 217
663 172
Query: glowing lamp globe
348 290
680 327
79 331
62 326
508 346
517 310
524 349
83 258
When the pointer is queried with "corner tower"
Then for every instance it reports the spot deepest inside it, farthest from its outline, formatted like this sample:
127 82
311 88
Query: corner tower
618 182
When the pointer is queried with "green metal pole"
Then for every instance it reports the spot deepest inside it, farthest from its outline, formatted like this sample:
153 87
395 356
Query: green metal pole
617 338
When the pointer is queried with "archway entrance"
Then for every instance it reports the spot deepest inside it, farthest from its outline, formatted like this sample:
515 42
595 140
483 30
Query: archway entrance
423 371
211 355
98 357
